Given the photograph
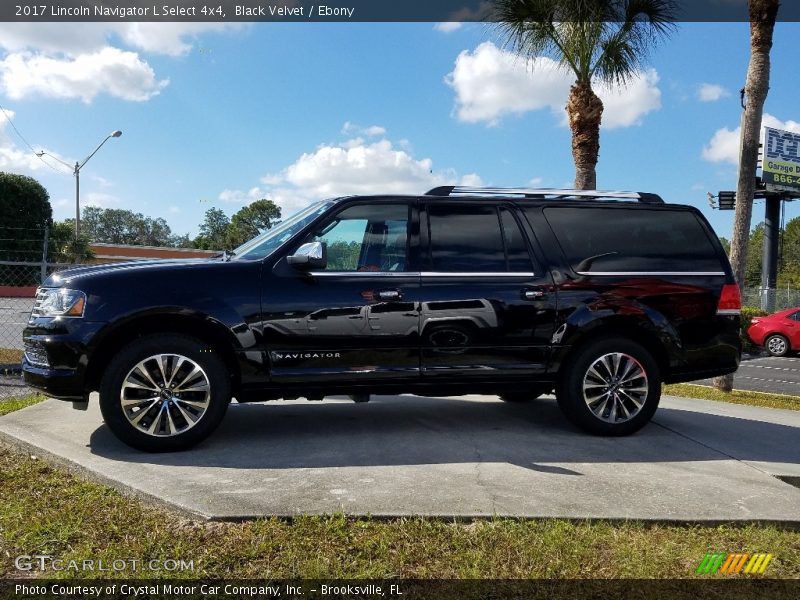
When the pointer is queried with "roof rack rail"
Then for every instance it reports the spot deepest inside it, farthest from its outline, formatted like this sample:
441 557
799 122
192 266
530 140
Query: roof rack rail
543 193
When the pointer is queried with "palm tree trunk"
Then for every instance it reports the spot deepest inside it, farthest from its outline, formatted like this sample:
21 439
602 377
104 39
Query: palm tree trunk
585 110
762 24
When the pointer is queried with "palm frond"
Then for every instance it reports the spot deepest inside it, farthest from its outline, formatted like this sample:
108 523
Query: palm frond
639 27
607 39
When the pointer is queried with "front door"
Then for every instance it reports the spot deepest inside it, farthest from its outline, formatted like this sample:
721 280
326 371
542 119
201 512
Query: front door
357 319
487 308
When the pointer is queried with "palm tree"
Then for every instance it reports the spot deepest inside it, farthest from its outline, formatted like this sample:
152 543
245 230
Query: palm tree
763 14
599 41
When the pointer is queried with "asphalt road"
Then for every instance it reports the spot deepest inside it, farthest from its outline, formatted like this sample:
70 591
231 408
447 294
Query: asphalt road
767 374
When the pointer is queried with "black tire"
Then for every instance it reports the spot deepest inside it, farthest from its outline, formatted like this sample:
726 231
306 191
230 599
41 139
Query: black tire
207 393
777 345
532 394
610 420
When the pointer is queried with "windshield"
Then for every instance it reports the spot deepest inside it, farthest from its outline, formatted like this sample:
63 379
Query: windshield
265 244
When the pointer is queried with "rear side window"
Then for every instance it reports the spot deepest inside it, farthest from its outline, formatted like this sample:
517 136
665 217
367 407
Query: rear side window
470 238
611 240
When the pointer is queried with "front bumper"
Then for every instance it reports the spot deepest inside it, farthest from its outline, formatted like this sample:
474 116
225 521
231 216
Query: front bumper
65 345
63 384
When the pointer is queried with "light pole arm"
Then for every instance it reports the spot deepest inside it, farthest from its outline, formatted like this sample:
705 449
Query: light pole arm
78 167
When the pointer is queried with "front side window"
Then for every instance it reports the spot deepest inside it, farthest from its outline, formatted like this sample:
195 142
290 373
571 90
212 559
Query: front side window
366 238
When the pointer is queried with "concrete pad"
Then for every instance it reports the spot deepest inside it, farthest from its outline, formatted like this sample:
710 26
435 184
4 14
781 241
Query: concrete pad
470 456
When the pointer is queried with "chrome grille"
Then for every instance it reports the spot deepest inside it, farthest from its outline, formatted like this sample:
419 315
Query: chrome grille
37 305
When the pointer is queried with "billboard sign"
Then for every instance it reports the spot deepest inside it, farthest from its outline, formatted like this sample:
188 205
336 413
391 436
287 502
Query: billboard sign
781 164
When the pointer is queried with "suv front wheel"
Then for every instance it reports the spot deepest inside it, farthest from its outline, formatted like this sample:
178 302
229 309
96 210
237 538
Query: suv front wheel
611 386
164 392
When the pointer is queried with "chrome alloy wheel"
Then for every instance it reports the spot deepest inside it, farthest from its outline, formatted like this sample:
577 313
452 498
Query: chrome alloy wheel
165 395
615 387
776 345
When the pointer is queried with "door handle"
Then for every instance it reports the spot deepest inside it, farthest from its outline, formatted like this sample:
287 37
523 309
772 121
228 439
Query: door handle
390 295
529 294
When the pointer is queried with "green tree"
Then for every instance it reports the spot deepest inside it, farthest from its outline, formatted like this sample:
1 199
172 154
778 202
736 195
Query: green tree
252 220
343 256
790 255
213 230
25 214
752 276
119 226
62 247
598 41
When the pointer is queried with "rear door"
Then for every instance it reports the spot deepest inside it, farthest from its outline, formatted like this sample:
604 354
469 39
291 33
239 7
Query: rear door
488 308
357 319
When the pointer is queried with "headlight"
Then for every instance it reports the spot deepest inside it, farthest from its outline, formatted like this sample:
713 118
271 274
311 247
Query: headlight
57 302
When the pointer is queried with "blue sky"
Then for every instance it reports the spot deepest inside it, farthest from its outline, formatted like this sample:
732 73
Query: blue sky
220 114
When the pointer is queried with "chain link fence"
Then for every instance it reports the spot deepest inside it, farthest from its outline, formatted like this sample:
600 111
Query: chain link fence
26 259
771 300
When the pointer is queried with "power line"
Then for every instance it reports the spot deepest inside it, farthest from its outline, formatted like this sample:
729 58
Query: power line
61 171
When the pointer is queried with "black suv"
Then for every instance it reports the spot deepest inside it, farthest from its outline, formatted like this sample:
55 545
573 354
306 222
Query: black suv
600 296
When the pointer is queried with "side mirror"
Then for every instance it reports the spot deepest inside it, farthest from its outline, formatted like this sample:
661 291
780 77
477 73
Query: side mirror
313 255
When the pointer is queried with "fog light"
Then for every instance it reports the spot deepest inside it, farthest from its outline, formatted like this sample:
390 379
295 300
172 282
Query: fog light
36 354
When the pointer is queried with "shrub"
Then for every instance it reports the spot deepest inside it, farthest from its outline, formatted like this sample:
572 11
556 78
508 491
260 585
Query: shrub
748 312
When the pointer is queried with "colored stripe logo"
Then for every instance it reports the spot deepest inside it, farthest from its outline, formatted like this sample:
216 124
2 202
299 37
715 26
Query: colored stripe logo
733 564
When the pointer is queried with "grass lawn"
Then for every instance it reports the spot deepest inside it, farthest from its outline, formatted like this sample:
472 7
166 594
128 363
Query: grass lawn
7 406
45 510
10 356
75 519
688 390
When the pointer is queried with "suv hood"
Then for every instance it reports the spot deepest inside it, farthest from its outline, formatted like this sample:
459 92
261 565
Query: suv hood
79 273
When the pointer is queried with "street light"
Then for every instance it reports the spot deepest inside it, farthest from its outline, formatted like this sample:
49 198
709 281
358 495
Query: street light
76 170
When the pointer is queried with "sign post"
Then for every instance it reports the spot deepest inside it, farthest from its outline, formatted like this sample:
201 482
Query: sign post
780 174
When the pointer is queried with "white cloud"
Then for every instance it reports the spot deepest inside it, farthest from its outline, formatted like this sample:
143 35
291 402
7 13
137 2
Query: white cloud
350 128
625 107
99 199
351 167
173 39
110 71
471 180
711 92
173 210
16 159
83 60
491 83
240 197
724 144
448 26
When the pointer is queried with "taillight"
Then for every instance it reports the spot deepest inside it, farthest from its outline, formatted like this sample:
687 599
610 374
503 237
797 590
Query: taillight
730 301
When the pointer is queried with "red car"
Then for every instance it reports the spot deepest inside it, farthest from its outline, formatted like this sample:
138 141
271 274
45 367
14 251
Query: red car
779 333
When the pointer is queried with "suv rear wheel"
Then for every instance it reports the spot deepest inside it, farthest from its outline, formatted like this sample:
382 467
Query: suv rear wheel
164 392
611 386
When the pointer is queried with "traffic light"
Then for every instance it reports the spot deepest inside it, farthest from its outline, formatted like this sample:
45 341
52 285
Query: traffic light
727 200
